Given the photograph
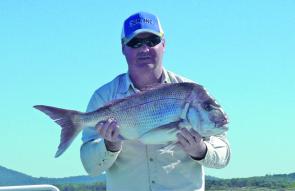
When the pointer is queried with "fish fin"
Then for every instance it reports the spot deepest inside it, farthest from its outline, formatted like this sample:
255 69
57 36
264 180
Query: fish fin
160 135
121 137
67 119
184 124
184 111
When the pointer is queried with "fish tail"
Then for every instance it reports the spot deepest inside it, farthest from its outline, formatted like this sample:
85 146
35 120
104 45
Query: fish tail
69 121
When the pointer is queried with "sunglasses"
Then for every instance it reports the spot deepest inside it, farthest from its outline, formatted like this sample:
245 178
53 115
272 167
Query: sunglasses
150 41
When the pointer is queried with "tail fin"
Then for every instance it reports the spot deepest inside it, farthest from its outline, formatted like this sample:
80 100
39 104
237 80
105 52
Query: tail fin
67 120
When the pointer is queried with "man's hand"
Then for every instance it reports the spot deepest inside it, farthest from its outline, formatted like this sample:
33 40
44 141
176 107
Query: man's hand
109 130
192 143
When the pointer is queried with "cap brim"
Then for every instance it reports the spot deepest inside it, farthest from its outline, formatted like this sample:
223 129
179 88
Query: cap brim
140 31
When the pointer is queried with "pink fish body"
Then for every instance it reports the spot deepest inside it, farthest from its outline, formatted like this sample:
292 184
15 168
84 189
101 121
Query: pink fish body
151 117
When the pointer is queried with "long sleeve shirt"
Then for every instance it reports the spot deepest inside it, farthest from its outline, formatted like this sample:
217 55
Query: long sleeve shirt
139 167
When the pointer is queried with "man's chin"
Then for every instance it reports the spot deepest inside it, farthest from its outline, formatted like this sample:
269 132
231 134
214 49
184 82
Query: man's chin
146 64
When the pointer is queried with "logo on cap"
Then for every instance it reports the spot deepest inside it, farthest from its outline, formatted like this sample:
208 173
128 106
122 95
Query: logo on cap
140 21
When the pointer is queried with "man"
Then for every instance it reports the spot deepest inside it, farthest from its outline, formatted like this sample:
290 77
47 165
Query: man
131 165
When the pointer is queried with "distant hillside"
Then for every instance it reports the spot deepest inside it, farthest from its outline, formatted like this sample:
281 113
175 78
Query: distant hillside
10 177
271 182
77 183
282 182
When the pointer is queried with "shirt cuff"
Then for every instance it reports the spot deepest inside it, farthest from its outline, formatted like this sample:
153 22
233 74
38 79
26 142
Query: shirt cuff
209 157
96 158
108 156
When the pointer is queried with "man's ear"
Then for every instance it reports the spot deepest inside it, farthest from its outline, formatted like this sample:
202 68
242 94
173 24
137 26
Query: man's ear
164 44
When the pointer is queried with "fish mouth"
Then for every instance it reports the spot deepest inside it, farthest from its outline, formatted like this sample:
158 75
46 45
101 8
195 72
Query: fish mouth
221 123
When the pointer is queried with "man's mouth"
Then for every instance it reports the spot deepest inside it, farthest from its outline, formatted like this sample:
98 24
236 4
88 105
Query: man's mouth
144 58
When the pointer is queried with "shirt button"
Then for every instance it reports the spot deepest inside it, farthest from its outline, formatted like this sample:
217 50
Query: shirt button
153 181
151 159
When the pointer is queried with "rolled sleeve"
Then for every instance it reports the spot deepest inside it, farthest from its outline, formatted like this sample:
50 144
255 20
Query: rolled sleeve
96 158
218 152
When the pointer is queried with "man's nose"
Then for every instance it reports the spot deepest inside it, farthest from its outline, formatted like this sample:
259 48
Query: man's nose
145 48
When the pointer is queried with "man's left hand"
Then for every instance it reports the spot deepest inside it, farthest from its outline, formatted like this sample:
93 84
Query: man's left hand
192 143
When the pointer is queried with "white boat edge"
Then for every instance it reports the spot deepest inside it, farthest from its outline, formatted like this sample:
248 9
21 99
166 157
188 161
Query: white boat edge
39 187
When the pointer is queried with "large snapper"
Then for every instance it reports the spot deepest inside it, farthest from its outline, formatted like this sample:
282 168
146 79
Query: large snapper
151 116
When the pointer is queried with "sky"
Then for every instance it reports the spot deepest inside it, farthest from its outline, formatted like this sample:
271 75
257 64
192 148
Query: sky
59 52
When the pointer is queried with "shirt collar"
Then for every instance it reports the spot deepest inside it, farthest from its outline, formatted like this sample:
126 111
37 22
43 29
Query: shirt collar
126 83
165 77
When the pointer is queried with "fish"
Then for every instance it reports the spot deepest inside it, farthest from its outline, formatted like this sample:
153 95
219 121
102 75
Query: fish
152 116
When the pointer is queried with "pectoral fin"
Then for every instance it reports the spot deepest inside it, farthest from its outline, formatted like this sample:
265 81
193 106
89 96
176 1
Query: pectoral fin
122 138
161 135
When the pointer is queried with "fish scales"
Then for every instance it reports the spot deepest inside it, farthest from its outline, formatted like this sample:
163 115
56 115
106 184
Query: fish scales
138 120
148 110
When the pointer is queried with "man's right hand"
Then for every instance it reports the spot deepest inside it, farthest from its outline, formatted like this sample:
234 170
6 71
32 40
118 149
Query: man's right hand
109 130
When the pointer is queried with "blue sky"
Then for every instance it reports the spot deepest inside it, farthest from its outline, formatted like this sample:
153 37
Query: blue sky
58 52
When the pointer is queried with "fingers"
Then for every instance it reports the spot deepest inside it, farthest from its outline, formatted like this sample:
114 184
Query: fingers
108 129
196 135
192 143
104 129
190 136
187 135
182 140
99 125
116 133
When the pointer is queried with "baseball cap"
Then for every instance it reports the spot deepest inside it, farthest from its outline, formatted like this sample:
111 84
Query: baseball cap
139 23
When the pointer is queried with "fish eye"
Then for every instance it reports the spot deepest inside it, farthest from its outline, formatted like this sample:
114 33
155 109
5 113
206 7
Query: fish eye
207 106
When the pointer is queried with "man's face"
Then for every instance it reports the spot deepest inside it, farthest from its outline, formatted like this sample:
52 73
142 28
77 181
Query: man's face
144 52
